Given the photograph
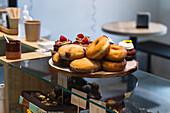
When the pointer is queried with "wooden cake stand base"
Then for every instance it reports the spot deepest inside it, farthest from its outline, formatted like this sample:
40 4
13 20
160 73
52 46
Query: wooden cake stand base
130 68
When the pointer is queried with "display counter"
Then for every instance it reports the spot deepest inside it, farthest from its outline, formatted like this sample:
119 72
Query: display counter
139 91
28 52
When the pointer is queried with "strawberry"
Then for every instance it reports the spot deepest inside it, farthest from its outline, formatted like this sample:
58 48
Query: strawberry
62 38
75 42
56 48
105 36
85 41
80 35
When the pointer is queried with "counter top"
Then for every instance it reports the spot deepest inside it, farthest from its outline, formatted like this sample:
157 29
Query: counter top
25 56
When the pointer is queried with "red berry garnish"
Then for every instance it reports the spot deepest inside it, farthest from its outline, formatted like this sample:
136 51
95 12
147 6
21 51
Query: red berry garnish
80 35
75 42
105 36
85 41
62 38
56 48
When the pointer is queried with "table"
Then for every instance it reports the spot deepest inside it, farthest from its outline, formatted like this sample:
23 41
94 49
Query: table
151 93
128 28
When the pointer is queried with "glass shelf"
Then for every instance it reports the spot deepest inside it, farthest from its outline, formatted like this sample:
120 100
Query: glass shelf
115 88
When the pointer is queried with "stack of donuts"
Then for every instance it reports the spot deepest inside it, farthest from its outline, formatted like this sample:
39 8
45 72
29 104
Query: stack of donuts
100 54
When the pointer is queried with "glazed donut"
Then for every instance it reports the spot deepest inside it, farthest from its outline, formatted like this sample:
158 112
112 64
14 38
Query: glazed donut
71 52
85 65
114 66
116 53
98 49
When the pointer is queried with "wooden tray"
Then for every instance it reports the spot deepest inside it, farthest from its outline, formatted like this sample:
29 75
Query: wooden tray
130 67
9 31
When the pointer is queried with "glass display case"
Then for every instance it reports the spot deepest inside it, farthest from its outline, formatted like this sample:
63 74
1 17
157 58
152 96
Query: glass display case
136 92
28 50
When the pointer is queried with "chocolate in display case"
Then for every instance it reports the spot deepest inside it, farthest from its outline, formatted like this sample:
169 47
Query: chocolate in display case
37 101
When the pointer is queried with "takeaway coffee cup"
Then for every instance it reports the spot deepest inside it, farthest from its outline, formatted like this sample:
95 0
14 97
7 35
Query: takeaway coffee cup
13 49
32 30
13 23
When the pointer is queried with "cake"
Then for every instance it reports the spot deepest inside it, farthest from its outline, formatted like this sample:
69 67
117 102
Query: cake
82 40
63 41
128 45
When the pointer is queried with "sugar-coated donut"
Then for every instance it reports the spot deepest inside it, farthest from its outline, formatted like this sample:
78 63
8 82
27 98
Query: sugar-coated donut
98 49
71 52
85 65
116 53
60 62
113 66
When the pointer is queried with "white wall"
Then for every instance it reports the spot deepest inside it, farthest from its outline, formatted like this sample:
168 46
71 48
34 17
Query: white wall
70 17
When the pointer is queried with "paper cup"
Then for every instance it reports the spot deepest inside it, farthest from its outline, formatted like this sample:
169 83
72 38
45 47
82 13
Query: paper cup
13 23
13 49
32 30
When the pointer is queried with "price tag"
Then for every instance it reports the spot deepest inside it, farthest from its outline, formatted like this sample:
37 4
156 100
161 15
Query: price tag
77 100
62 80
96 109
42 111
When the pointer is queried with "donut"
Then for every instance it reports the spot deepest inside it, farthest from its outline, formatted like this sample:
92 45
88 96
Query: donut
98 49
85 65
71 52
60 62
113 66
116 53
131 54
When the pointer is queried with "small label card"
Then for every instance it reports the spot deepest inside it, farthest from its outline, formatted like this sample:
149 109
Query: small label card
96 109
79 102
62 80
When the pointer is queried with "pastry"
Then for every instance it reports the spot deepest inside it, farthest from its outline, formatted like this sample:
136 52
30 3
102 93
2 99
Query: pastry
114 105
128 45
85 65
98 49
60 62
113 66
82 40
63 41
116 53
87 88
71 52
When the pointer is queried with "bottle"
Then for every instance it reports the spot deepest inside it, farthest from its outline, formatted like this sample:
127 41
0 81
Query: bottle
25 17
